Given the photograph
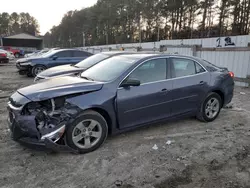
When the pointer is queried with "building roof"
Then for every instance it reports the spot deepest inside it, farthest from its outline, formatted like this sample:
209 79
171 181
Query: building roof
23 36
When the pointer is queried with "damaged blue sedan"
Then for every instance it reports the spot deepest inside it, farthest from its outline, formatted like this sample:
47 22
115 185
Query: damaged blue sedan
120 93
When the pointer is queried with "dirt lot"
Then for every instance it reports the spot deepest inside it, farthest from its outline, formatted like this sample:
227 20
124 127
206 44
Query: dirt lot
199 155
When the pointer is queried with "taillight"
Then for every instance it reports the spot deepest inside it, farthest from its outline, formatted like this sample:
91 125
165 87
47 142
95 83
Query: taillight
231 74
3 55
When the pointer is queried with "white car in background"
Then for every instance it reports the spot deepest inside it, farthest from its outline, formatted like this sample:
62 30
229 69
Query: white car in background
9 54
31 54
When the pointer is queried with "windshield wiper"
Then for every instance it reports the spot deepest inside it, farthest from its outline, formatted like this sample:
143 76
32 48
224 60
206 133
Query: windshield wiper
87 78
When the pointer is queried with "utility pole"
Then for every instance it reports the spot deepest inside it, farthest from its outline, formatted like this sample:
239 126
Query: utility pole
158 34
83 39
1 41
139 23
107 38
70 40
138 4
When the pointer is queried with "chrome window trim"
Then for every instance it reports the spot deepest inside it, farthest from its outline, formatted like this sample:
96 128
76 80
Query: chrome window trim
187 76
167 79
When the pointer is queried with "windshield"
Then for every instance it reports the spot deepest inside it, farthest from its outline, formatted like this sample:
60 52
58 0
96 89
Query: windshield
109 69
41 52
90 61
48 54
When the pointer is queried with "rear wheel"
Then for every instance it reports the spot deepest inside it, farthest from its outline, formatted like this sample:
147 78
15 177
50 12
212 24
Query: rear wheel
210 108
88 132
37 69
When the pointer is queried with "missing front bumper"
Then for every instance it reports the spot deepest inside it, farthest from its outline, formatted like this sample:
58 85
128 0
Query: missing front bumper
47 142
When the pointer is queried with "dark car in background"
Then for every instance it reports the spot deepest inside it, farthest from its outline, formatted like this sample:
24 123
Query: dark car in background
34 65
77 68
79 112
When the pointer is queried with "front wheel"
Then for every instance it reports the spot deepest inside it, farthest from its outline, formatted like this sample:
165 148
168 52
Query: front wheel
88 132
210 108
37 69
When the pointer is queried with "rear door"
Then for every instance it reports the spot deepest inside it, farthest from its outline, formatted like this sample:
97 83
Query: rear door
190 85
63 58
148 102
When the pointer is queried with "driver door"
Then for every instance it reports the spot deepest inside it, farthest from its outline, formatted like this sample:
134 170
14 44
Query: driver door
151 100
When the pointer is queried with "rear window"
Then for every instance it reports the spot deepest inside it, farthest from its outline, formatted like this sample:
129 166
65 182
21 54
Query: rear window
90 61
209 66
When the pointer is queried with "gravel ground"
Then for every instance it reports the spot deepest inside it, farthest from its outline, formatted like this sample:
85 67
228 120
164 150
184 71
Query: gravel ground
185 153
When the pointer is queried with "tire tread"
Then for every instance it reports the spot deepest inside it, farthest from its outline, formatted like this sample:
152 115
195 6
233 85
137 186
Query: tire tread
84 113
200 114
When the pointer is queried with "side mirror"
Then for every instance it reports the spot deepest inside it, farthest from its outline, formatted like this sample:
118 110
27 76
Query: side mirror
130 82
54 57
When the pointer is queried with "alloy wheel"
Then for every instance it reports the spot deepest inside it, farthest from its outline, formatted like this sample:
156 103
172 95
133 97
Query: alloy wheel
38 70
212 108
87 134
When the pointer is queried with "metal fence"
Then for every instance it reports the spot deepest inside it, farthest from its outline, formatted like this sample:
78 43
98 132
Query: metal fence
230 52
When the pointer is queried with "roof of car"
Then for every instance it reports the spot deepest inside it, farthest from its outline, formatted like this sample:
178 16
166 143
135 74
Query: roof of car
138 55
59 50
148 55
65 49
117 52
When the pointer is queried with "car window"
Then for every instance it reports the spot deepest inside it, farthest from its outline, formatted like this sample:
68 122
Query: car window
199 68
109 69
209 66
80 54
151 71
63 54
183 67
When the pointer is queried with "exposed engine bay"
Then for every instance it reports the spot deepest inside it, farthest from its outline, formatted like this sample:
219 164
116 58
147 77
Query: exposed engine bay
50 117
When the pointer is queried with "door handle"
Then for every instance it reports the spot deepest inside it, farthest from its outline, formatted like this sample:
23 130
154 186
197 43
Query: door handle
201 83
164 90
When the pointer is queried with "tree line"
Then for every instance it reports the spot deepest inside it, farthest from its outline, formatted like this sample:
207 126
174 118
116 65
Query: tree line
17 23
126 21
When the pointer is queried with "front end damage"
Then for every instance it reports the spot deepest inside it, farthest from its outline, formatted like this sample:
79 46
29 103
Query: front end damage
41 123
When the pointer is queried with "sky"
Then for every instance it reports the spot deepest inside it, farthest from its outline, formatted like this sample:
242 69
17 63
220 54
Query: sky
47 12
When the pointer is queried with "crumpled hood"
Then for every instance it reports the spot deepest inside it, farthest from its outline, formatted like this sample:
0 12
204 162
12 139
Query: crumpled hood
57 87
60 70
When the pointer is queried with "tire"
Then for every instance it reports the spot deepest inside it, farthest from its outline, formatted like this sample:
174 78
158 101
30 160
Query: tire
81 138
17 55
37 69
209 112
